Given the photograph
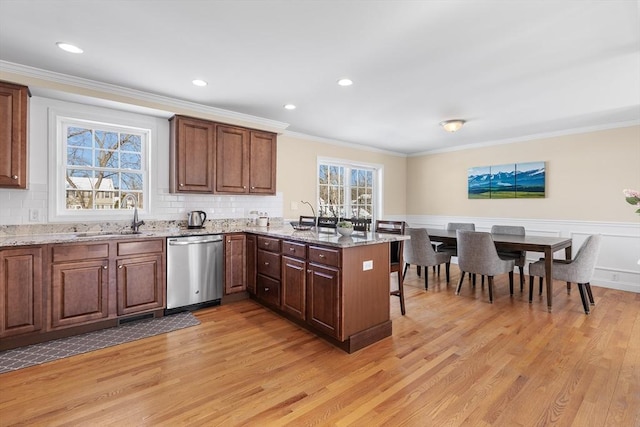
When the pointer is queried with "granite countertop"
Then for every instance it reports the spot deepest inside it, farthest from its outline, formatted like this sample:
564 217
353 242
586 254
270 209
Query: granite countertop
324 236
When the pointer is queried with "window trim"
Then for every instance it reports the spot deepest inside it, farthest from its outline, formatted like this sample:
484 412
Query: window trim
57 156
378 180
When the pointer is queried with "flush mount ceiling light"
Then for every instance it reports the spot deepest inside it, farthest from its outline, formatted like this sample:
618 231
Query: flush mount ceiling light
452 125
198 82
69 47
289 107
345 82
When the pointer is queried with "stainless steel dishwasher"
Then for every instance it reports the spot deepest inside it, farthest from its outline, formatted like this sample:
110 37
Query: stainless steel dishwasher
194 272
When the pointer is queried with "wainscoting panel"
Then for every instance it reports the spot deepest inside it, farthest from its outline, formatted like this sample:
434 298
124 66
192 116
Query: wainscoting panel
617 265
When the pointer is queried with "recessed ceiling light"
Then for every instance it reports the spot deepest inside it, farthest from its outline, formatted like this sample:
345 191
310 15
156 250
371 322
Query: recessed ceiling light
198 82
69 47
345 82
289 107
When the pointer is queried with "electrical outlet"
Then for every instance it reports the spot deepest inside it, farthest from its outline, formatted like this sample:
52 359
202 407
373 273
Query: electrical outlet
367 265
34 215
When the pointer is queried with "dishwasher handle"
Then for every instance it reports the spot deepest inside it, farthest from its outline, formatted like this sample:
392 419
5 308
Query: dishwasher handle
177 242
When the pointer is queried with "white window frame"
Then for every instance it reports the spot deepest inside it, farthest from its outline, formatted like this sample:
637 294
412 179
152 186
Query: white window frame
378 175
93 117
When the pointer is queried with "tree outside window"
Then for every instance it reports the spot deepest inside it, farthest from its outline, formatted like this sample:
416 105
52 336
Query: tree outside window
346 191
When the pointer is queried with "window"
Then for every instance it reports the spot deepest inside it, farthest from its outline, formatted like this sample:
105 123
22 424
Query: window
101 169
347 190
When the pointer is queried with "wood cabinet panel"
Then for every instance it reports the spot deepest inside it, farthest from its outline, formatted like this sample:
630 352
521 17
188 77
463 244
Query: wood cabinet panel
140 247
252 254
294 286
268 264
21 275
323 299
140 284
13 135
235 269
293 249
232 159
192 153
268 290
79 252
262 171
269 244
323 255
79 292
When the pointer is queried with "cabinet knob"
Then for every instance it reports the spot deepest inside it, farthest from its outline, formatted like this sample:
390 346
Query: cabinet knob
266 263
244 186
266 289
15 177
266 243
120 267
321 255
253 188
104 267
228 241
181 185
292 249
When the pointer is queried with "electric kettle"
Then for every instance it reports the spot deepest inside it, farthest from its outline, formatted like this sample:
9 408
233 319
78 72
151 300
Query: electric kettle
196 219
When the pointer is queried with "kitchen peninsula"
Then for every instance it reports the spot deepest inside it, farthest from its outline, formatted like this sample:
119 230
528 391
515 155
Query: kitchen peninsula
335 286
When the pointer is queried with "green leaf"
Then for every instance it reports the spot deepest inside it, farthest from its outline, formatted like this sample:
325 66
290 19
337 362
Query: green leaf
632 200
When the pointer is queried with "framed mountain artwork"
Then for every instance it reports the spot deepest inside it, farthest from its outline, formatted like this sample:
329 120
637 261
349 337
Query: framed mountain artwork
508 181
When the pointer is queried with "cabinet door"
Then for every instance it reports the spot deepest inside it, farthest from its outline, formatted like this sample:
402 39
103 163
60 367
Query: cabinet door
232 159
293 283
140 285
192 155
235 271
268 290
20 291
323 299
262 155
79 292
251 263
13 135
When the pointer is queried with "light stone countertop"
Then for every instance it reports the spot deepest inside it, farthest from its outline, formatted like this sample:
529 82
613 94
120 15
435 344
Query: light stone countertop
323 236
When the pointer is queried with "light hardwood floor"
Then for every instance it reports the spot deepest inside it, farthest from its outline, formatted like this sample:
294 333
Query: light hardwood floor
452 360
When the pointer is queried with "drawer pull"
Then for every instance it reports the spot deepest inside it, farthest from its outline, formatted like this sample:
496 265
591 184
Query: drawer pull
15 177
104 267
266 289
181 185
120 267
266 243
292 249
321 255
266 263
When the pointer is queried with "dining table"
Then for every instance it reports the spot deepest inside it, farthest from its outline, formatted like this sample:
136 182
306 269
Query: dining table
507 242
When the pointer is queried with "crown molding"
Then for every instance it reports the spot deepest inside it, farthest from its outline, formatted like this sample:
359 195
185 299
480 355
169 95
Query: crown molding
341 143
172 103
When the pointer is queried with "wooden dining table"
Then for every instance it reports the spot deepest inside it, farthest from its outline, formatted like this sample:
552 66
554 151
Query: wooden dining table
508 242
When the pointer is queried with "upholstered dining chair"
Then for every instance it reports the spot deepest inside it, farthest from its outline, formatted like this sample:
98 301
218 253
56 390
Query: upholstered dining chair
455 226
578 270
519 256
419 251
477 254
396 254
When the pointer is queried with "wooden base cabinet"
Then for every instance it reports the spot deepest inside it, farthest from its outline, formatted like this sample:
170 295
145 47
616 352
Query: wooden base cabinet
235 263
21 275
139 276
79 284
324 299
294 287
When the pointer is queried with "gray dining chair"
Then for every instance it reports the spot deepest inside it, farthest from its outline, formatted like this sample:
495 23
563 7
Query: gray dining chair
578 270
419 251
455 226
477 254
520 257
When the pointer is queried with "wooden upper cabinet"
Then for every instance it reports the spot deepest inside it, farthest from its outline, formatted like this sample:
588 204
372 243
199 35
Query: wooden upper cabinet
245 161
191 155
262 171
232 159
13 135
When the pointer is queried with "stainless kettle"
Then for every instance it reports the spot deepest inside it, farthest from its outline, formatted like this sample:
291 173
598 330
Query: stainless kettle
196 219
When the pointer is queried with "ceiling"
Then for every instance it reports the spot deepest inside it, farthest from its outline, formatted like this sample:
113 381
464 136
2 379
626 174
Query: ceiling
512 69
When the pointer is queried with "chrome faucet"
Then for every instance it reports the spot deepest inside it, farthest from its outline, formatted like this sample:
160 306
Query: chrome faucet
312 210
135 224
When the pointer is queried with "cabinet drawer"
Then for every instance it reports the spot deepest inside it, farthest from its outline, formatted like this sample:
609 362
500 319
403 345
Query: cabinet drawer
269 244
269 264
140 247
61 253
268 290
324 255
297 250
